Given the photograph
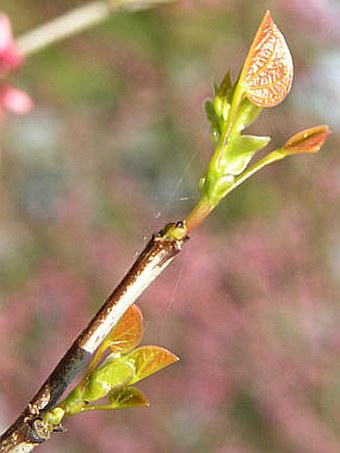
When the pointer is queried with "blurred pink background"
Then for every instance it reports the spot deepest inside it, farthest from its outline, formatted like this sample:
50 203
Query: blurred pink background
112 150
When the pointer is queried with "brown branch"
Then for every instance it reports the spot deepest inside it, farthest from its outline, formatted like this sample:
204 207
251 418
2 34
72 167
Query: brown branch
30 429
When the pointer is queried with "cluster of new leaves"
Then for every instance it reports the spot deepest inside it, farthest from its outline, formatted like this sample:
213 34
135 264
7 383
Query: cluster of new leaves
264 81
113 376
235 150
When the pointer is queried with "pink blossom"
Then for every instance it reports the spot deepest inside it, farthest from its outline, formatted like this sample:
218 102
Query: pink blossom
11 99
9 56
14 100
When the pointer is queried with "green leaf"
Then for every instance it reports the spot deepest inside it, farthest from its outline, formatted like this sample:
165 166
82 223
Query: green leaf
210 113
127 397
225 89
120 398
213 120
148 360
72 406
222 109
54 415
113 373
239 153
246 115
217 110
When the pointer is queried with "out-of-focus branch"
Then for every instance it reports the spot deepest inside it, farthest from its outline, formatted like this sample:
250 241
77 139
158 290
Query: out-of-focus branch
30 429
76 21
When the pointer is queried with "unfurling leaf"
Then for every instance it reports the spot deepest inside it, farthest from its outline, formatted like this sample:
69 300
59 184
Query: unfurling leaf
240 152
124 366
150 359
117 373
128 332
113 373
217 110
307 141
246 115
215 126
125 336
127 397
267 74
223 97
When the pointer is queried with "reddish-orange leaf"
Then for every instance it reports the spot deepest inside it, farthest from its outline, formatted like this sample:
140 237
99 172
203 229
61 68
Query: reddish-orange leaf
128 332
268 70
307 141
150 359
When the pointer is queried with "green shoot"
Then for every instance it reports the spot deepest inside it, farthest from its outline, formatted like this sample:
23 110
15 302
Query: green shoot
114 376
264 81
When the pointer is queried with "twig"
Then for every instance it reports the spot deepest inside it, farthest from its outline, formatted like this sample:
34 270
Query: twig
76 21
30 430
